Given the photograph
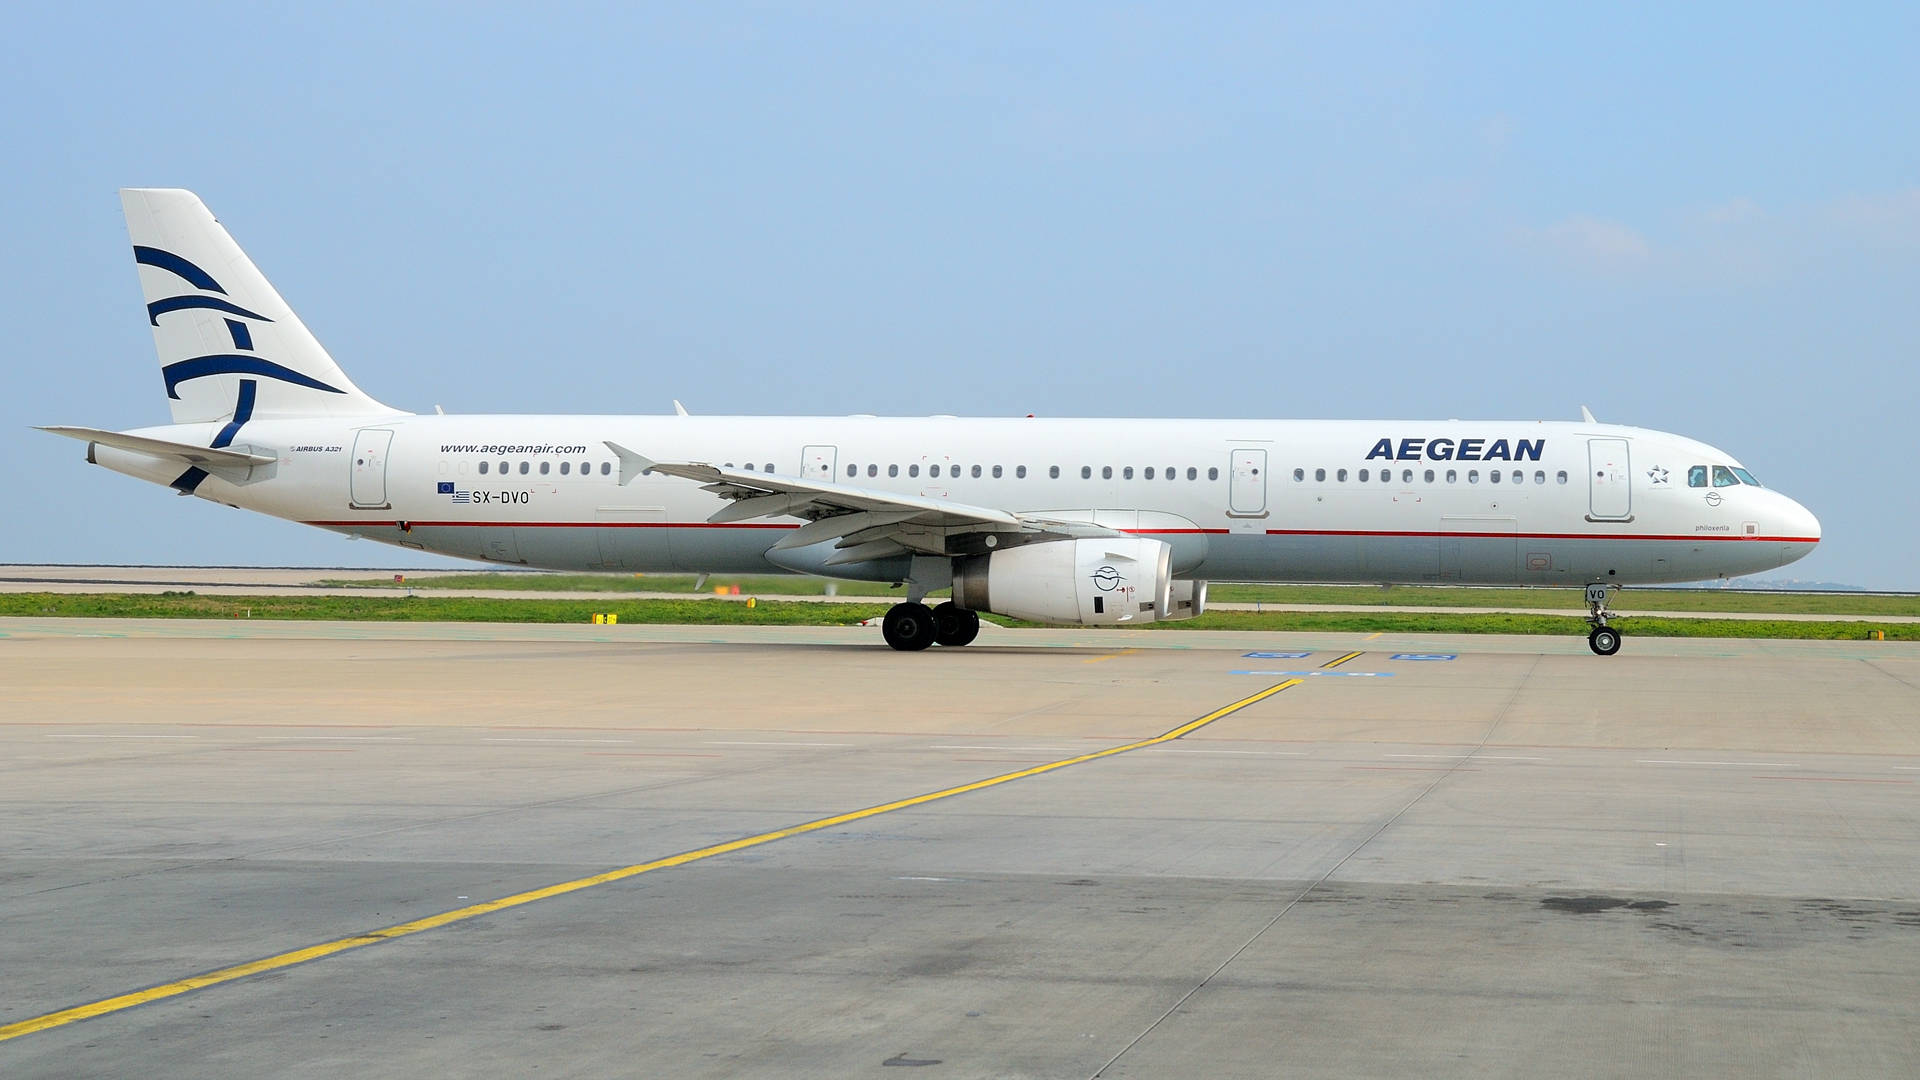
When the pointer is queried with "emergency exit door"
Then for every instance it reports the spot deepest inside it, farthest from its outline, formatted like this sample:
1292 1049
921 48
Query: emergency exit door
1247 487
816 462
1609 480
369 487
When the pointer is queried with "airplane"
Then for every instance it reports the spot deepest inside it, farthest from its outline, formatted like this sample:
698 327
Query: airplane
1062 521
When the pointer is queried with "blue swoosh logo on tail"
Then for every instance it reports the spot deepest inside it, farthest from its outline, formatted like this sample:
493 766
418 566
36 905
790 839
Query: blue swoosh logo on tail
231 364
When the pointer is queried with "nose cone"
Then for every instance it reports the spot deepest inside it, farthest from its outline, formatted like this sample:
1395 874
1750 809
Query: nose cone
1801 525
1799 530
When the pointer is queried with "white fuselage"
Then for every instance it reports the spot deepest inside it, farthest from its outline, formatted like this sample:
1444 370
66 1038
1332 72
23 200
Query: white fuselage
1471 502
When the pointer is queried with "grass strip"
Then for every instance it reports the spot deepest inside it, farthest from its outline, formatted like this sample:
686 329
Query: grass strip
1648 599
377 607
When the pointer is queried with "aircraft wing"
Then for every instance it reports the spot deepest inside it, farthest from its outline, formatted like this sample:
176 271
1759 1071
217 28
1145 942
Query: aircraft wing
867 523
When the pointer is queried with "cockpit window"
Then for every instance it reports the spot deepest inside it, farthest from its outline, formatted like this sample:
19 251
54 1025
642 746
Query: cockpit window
1697 476
1723 477
1746 477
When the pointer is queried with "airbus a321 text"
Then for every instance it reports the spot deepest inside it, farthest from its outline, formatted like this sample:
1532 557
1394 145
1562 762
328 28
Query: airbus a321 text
1055 521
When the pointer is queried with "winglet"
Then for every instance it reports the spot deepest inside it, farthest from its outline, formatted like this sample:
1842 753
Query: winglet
631 464
679 409
1586 414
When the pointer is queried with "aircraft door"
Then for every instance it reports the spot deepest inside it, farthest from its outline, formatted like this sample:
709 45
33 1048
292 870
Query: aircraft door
816 463
1247 489
1609 480
369 487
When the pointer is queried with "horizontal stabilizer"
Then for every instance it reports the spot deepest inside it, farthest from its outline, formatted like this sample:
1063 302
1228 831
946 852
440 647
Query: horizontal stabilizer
204 456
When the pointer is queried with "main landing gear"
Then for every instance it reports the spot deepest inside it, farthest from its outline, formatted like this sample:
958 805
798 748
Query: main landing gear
1602 639
914 626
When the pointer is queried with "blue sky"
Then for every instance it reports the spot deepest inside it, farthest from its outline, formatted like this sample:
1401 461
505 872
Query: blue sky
1698 218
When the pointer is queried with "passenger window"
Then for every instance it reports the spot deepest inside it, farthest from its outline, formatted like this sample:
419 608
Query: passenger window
503 468
523 468
1561 476
483 468
1473 476
1519 477
1453 476
1723 477
768 467
852 470
1106 472
566 467
544 466
606 468
1147 475
1365 475
976 471
1053 472
1429 477
1126 473
1697 476
873 470
1193 473
1019 471
1213 472
913 470
1539 476
1406 476
1493 476
1341 476
893 470
1299 475
1320 475
933 470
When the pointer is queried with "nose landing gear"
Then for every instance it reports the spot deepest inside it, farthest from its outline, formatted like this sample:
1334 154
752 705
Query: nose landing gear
1604 640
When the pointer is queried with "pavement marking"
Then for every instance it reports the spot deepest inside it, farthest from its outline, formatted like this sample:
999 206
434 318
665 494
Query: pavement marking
1109 656
1834 779
336 738
188 985
1338 660
1319 674
567 740
950 746
1375 636
713 742
1262 753
1736 764
52 736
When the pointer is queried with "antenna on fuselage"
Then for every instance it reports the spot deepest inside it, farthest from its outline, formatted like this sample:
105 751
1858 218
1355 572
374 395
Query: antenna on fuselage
1587 415
679 409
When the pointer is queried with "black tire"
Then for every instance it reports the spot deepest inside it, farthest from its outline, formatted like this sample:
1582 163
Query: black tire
1604 641
908 627
954 625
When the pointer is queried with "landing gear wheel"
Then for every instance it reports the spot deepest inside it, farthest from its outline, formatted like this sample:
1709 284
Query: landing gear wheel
1604 640
954 625
908 627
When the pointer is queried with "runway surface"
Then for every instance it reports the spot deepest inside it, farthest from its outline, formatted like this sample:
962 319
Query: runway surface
1438 857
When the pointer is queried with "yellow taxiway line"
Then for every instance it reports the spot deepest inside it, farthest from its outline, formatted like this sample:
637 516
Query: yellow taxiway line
192 983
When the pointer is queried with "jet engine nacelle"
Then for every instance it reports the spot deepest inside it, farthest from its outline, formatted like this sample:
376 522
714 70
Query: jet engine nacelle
1091 582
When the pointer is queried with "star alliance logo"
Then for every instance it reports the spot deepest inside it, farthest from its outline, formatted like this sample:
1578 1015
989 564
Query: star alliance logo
1657 474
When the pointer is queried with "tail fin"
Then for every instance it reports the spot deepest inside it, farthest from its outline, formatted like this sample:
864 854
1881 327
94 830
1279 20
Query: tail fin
228 344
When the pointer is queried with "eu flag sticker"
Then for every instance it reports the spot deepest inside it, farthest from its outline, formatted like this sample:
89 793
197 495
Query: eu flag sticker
446 487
